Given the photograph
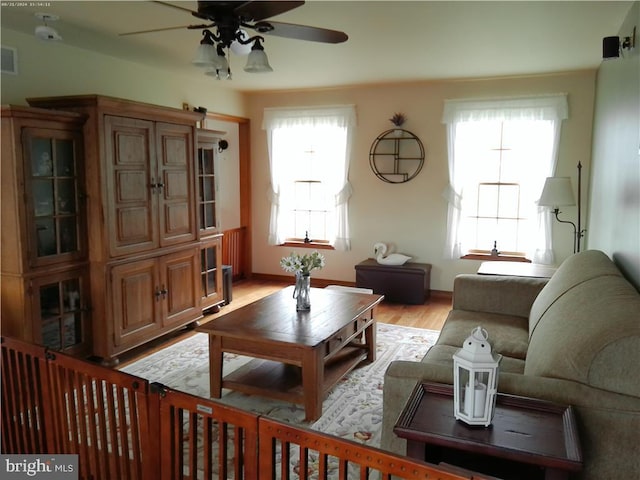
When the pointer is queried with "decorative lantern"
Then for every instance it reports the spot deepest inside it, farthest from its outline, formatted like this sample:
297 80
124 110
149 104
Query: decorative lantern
475 380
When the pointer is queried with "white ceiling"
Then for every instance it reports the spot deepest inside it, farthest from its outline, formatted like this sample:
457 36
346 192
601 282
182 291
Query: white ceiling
389 41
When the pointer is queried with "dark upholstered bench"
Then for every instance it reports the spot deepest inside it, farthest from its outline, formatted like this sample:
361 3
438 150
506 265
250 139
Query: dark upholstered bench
409 283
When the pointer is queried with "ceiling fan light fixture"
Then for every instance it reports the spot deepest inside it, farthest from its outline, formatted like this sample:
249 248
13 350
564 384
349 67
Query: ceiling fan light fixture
219 73
206 52
241 45
257 61
220 70
226 20
205 56
221 62
45 32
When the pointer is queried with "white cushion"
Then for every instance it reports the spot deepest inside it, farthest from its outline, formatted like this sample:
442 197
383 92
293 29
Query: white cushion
349 289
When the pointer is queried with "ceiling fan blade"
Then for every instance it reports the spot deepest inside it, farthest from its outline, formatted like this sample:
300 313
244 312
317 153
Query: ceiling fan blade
167 4
259 10
301 32
190 27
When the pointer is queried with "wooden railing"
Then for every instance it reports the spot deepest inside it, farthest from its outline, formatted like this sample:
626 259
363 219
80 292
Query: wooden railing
123 427
233 251
54 403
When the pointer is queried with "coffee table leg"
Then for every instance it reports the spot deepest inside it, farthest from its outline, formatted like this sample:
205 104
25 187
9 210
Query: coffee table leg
312 383
370 339
215 366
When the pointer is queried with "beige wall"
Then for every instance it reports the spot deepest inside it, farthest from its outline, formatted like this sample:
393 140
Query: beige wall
413 215
614 219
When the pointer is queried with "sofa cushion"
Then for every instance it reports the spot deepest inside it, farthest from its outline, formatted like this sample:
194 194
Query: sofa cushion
503 294
508 334
574 270
443 355
591 335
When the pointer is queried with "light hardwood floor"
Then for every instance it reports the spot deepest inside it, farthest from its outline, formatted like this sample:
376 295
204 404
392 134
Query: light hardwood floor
431 315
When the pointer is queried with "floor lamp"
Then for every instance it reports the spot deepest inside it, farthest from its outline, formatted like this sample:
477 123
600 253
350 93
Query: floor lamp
557 192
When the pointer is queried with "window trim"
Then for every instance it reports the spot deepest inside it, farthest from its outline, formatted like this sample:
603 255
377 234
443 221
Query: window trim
297 243
494 258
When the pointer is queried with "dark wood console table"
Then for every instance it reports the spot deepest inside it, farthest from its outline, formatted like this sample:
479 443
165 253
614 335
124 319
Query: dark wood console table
528 439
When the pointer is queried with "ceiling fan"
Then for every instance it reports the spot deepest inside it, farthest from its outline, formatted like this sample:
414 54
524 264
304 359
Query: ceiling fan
230 19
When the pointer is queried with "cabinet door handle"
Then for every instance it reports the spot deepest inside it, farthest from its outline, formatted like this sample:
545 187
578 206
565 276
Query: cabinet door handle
156 186
158 293
163 292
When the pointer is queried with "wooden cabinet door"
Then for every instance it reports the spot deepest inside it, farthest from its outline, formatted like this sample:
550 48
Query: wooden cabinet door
131 185
176 191
137 302
179 286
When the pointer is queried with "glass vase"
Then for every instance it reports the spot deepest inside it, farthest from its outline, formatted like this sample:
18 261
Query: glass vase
302 292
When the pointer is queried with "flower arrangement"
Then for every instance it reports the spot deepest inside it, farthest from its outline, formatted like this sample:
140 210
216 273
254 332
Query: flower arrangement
303 264
398 119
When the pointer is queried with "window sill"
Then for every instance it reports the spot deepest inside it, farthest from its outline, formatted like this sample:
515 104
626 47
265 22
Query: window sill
495 258
314 245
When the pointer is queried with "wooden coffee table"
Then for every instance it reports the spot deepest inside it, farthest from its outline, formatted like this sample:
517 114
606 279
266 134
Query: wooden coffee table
298 356
528 438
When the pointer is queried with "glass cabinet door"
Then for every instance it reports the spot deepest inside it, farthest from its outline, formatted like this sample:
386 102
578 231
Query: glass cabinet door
61 311
53 182
211 273
207 147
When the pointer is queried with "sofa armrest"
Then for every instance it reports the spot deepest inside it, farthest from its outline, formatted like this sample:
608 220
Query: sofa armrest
507 295
567 392
608 422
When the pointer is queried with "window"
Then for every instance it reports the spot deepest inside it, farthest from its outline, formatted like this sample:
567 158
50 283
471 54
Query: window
309 158
500 153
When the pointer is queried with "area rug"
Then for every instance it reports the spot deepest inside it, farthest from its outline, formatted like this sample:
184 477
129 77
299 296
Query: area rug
353 409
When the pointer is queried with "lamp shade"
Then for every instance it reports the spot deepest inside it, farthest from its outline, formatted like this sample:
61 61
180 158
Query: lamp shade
238 47
205 55
557 191
257 61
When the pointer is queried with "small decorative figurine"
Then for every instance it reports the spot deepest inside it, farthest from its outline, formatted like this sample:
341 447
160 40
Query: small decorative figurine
380 250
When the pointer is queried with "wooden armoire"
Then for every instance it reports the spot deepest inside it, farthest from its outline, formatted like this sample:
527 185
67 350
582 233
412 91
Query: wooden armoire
145 250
